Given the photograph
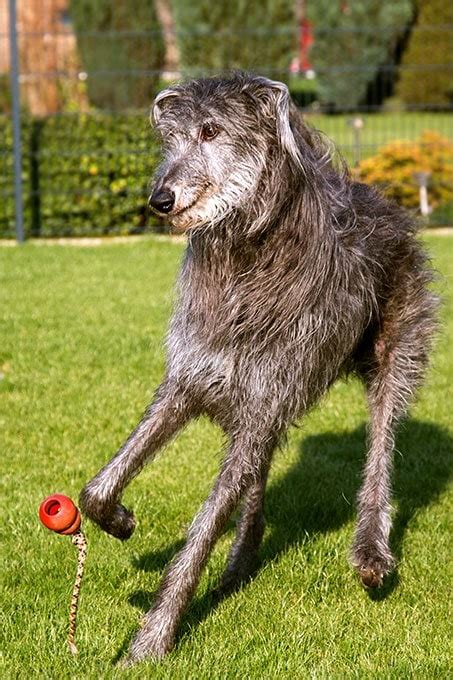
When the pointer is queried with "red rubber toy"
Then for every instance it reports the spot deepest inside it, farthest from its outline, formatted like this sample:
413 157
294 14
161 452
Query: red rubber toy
58 513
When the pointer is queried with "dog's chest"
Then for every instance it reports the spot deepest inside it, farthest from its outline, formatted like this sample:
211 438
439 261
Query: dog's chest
239 343
197 361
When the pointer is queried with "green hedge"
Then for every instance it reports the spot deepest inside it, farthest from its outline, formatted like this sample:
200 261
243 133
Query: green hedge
82 175
7 177
426 78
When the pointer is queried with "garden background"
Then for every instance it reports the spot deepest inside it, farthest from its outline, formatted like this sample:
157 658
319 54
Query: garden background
375 75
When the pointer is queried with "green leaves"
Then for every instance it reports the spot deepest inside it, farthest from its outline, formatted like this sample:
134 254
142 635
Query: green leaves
90 175
425 73
352 40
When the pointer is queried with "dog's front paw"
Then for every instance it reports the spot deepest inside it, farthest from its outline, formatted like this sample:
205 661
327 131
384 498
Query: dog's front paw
113 518
119 523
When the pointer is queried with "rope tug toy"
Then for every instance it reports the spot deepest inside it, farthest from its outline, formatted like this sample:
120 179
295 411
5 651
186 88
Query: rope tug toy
58 513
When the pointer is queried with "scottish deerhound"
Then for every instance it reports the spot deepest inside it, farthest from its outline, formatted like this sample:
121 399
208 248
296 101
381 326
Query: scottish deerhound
294 275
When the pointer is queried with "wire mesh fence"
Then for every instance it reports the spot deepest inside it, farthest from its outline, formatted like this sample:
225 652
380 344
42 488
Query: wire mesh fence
375 76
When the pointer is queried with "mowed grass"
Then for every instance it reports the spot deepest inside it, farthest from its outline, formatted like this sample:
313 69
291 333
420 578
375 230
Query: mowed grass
379 129
80 355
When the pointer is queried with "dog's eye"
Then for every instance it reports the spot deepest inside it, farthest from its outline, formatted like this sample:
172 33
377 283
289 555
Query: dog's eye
208 131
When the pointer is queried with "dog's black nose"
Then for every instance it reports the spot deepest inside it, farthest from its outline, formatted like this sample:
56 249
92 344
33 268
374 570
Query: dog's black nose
162 200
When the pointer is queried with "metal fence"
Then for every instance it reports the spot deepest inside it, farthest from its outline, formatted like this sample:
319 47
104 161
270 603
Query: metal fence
76 148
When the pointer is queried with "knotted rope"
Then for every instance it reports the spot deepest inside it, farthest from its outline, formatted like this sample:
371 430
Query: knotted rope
78 539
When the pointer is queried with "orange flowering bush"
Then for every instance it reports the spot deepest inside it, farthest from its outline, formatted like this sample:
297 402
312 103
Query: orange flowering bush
394 167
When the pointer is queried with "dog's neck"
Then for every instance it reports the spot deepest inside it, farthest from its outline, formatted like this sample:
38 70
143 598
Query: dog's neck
281 252
269 229
232 283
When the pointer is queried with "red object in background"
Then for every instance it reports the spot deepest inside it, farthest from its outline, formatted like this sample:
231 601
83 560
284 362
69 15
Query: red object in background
305 42
301 62
58 513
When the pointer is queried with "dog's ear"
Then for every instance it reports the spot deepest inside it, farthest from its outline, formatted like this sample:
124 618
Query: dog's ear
275 96
159 103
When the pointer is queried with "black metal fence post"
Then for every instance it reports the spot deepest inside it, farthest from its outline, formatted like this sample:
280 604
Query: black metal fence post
18 198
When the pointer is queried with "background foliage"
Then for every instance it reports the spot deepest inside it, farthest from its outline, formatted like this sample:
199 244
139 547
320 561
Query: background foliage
87 173
352 40
82 175
394 167
430 49
250 34
115 40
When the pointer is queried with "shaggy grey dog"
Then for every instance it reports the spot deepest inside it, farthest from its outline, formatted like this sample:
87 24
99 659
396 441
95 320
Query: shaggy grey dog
294 275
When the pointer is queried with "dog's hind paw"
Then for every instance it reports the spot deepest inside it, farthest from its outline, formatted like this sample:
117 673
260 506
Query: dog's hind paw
370 577
373 570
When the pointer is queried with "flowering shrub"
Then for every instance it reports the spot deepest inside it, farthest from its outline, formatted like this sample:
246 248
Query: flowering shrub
394 167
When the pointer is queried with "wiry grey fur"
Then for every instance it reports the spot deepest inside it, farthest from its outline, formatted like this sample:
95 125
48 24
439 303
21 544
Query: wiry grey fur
294 275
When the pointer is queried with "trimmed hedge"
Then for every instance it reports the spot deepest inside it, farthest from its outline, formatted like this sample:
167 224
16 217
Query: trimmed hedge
7 177
82 175
426 74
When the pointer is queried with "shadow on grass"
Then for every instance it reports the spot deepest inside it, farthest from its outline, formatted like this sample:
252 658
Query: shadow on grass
156 560
317 495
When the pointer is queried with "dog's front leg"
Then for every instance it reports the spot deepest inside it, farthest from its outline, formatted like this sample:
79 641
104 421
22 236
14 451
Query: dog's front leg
244 463
100 499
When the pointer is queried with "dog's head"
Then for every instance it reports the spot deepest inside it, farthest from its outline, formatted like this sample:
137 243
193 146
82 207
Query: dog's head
219 137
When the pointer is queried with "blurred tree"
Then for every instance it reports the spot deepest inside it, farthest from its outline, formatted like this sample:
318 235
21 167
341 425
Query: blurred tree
165 17
121 49
352 40
253 35
426 76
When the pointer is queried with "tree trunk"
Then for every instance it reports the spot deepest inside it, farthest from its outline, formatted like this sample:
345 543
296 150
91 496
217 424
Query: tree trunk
171 65
49 62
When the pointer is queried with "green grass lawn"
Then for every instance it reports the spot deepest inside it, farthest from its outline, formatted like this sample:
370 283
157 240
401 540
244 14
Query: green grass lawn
80 354
380 129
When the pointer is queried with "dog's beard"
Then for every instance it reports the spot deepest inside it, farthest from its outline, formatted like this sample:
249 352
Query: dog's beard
207 212
216 203
198 214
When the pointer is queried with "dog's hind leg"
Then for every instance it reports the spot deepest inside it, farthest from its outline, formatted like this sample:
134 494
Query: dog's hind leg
243 464
100 499
371 555
392 373
249 533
